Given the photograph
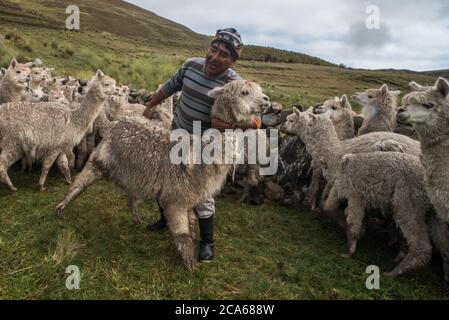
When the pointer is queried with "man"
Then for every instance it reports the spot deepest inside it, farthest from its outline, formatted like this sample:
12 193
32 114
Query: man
195 79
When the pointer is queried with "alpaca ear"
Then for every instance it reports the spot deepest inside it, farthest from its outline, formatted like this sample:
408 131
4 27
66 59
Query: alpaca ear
299 107
13 63
99 74
313 117
415 86
395 93
442 86
215 93
345 102
384 90
3 71
296 111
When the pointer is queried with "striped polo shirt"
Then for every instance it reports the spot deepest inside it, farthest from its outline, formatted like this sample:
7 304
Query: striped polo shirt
194 103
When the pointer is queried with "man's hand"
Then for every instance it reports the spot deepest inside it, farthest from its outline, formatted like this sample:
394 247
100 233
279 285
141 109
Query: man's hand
222 126
157 98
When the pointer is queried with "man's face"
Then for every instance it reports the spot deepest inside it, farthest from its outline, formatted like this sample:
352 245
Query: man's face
218 59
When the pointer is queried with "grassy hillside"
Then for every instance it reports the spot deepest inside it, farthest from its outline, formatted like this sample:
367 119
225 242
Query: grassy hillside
265 252
125 20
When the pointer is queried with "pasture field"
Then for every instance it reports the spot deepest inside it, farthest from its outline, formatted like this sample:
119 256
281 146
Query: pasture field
264 252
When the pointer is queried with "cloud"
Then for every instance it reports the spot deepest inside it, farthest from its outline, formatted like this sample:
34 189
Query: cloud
360 36
413 34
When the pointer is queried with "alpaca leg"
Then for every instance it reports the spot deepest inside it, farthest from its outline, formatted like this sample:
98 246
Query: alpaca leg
414 229
71 159
46 165
316 185
355 212
63 166
193 224
9 155
332 208
439 235
27 164
82 154
89 174
178 223
90 142
133 203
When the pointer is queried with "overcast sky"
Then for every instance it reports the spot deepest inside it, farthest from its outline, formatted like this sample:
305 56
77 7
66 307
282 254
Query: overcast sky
412 34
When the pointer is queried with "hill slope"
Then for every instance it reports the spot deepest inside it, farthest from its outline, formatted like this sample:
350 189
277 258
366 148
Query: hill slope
128 21
140 48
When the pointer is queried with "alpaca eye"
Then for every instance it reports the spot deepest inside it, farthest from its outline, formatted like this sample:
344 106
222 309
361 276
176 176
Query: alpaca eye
18 72
334 107
429 105
370 96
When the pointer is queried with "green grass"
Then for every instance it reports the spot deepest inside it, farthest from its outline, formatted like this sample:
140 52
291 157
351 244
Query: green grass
265 252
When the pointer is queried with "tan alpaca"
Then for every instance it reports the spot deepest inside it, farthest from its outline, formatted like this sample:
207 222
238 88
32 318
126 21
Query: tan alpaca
376 141
14 83
379 109
48 131
2 73
38 76
340 112
50 85
135 154
427 109
390 181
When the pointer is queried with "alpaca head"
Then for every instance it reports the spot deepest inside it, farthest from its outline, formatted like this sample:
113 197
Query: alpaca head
372 100
38 75
35 95
248 94
336 108
426 106
18 73
47 72
102 85
296 123
318 126
58 97
120 94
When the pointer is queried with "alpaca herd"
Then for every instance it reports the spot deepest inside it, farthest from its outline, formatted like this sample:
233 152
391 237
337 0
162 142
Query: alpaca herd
394 164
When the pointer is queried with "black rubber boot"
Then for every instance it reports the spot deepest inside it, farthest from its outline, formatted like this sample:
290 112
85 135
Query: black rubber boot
207 239
160 225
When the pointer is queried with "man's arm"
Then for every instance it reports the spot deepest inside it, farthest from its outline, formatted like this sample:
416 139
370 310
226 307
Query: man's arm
157 98
168 89
222 126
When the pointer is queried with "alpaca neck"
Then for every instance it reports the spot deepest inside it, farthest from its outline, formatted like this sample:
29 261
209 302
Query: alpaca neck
327 147
345 127
34 85
383 118
102 123
84 116
9 91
